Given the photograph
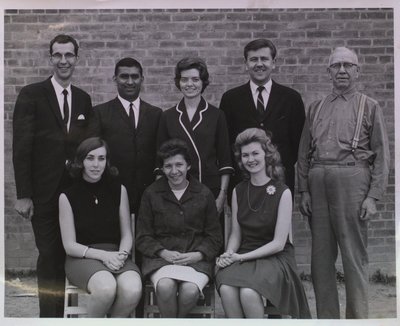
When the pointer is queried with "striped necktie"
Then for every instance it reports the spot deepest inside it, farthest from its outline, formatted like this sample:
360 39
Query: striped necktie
260 101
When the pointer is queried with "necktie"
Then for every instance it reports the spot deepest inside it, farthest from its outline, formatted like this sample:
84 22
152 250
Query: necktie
132 116
260 100
65 107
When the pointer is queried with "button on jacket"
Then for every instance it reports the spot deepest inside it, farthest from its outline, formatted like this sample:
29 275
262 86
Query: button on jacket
186 225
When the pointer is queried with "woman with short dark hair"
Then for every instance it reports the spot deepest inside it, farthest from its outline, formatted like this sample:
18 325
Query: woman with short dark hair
178 233
202 126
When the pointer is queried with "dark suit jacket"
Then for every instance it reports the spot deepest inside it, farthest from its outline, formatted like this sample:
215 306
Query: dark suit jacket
284 118
41 144
132 152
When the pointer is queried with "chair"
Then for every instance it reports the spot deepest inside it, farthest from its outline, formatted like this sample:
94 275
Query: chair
73 295
205 307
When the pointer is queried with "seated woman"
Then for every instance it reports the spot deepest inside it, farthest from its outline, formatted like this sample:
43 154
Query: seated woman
178 233
259 259
96 234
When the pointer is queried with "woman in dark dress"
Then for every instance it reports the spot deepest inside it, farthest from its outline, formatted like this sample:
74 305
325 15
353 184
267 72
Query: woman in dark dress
259 259
178 233
96 234
202 126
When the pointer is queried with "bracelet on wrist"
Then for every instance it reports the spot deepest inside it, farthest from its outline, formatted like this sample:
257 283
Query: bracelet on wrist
84 252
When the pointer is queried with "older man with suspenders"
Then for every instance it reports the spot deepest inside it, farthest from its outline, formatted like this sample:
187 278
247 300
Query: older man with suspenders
343 168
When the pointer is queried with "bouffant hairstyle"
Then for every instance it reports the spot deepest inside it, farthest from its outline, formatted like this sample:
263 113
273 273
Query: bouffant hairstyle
171 148
85 147
273 165
192 63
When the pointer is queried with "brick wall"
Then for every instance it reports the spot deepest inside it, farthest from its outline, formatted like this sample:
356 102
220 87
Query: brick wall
159 38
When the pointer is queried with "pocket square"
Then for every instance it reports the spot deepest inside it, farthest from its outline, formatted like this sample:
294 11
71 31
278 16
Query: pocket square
81 117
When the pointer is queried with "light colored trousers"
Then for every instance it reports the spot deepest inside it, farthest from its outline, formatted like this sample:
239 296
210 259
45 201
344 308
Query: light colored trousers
337 193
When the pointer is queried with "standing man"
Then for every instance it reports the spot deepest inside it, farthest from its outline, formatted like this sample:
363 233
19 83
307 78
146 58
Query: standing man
343 169
263 103
129 126
50 120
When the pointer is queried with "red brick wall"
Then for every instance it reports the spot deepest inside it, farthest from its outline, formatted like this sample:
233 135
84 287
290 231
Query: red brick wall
159 38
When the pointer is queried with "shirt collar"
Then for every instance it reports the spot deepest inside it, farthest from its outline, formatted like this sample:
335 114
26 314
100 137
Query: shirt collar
58 88
346 95
267 86
125 103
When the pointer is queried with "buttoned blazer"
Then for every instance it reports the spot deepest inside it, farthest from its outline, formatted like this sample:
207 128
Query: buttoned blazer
208 141
41 143
186 225
132 151
283 118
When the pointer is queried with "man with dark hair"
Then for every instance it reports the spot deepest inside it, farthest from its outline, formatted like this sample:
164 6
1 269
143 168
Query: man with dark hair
343 169
263 103
50 120
129 126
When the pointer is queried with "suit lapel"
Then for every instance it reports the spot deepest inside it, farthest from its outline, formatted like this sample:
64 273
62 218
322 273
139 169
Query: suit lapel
142 116
249 102
52 98
272 101
118 107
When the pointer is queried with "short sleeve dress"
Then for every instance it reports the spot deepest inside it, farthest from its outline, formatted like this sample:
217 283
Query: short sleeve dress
275 277
95 207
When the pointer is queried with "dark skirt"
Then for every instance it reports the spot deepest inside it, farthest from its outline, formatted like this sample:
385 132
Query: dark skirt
274 277
80 270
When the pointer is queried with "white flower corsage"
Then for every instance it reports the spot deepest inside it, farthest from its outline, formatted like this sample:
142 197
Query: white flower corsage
271 190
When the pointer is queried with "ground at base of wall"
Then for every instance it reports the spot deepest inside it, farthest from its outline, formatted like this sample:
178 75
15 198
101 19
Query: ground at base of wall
21 299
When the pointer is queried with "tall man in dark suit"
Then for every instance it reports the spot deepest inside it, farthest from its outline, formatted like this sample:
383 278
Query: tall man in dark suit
50 120
265 104
129 126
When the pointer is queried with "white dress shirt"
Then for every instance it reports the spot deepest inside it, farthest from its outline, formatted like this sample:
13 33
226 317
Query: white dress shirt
136 108
60 98
265 93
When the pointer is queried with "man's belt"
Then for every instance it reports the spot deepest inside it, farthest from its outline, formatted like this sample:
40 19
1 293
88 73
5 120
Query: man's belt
344 164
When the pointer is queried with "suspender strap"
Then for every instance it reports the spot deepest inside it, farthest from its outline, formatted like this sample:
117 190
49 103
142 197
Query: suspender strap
360 114
319 107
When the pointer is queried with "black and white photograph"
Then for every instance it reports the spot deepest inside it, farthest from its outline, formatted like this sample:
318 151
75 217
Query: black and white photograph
209 161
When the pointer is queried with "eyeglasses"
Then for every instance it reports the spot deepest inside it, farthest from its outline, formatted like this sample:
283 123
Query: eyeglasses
56 57
345 65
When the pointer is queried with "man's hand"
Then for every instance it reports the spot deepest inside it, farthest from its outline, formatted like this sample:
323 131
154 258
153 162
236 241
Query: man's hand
24 207
305 203
368 208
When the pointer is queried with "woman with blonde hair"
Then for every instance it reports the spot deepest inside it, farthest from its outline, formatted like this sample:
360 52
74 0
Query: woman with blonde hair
259 259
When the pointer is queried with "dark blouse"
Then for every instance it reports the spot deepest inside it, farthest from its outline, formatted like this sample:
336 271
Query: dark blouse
258 212
96 210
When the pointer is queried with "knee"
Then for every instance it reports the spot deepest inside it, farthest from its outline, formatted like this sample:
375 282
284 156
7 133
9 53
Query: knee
131 288
103 290
247 294
189 291
166 288
225 290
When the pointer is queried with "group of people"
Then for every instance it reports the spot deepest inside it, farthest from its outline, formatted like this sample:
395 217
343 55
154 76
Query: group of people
81 172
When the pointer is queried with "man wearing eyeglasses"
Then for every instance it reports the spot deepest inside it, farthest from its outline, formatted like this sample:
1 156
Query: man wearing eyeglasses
50 120
343 168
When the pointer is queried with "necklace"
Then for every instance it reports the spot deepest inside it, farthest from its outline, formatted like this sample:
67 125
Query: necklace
96 201
248 199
